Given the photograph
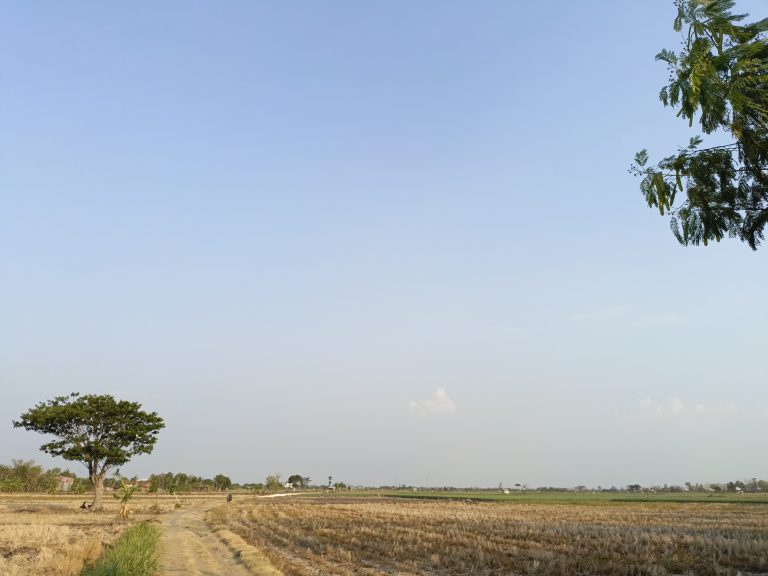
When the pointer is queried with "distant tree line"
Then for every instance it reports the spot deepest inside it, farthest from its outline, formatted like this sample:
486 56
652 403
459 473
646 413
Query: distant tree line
748 485
26 476
182 482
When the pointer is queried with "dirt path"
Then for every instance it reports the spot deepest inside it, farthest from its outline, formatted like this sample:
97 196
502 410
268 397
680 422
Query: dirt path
189 547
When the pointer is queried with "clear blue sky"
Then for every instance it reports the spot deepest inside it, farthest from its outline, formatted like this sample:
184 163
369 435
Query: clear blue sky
388 242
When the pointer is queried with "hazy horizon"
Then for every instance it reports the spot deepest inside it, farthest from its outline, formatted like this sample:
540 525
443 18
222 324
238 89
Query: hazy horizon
391 243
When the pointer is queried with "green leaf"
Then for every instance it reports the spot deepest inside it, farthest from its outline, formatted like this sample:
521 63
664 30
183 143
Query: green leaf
661 191
717 79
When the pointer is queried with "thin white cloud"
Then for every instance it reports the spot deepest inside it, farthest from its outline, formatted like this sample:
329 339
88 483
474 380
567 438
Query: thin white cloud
624 313
439 403
718 409
668 408
671 408
670 318
741 302
605 314
514 330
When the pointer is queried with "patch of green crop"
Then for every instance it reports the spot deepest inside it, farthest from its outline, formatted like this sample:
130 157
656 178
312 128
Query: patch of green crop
136 553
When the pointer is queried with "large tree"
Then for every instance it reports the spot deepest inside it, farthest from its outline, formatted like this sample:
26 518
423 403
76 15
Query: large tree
299 481
720 80
95 430
222 482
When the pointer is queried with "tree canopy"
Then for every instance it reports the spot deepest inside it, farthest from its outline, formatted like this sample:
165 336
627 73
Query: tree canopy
222 482
720 77
96 430
273 482
26 476
299 481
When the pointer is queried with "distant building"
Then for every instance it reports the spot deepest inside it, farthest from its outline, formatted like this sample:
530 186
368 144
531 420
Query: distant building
64 483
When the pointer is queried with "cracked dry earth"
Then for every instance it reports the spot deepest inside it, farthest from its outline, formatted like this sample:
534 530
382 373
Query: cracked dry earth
190 547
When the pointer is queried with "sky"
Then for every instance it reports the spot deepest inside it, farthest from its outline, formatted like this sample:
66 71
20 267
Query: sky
392 243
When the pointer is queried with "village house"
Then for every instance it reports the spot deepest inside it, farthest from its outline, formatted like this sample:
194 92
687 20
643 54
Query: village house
64 483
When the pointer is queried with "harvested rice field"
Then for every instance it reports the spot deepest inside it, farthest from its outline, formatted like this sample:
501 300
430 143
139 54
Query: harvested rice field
378 536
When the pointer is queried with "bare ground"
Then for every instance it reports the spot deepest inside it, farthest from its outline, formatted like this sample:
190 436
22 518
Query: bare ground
190 547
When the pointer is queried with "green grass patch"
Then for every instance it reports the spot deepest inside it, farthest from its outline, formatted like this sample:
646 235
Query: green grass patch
136 553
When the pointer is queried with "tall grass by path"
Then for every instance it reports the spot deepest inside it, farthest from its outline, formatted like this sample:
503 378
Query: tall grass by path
136 553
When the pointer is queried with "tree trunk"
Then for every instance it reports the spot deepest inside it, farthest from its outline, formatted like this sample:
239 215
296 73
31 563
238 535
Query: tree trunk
98 490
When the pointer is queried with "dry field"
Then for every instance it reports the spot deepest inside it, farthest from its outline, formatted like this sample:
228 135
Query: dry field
51 535
378 536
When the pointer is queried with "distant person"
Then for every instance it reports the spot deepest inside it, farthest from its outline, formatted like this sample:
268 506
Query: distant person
229 497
